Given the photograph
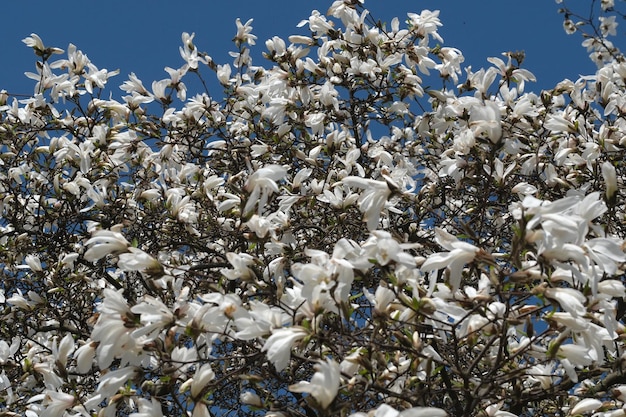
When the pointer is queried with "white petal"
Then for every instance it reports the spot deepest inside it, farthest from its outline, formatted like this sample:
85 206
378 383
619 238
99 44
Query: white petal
588 404
424 412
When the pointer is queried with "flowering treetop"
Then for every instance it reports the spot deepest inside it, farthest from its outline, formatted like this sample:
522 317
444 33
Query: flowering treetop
330 237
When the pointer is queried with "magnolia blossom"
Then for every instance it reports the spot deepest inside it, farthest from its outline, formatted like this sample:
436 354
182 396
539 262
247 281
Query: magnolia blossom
388 411
324 385
315 122
148 408
22 302
154 315
586 405
373 197
569 299
241 264
261 321
485 120
56 403
261 184
251 398
610 180
326 280
84 356
114 380
278 346
137 260
35 42
105 242
426 22
608 25
113 329
385 249
202 377
33 263
460 253
494 410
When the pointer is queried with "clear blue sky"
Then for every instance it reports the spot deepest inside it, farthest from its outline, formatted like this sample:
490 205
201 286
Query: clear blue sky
143 36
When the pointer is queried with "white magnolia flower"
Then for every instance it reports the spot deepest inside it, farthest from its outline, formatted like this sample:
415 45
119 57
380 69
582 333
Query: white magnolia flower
22 302
485 120
34 41
56 403
148 408
250 398
610 180
261 184
278 346
460 253
113 329
223 74
608 25
494 410
350 363
316 122
578 355
607 4
84 356
385 410
61 351
137 260
381 299
606 253
33 262
568 299
112 381
244 32
385 249
575 324
262 319
427 23
204 374
7 351
241 263
105 242
324 385
188 51
586 405
373 197
153 315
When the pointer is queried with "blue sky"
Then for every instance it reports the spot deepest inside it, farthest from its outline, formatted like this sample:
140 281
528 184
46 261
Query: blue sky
143 37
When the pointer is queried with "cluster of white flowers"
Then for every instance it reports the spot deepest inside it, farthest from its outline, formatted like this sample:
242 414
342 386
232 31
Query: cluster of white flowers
330 237
595 29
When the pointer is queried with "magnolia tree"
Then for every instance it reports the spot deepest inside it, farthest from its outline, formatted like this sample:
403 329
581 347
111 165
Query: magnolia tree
326 237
